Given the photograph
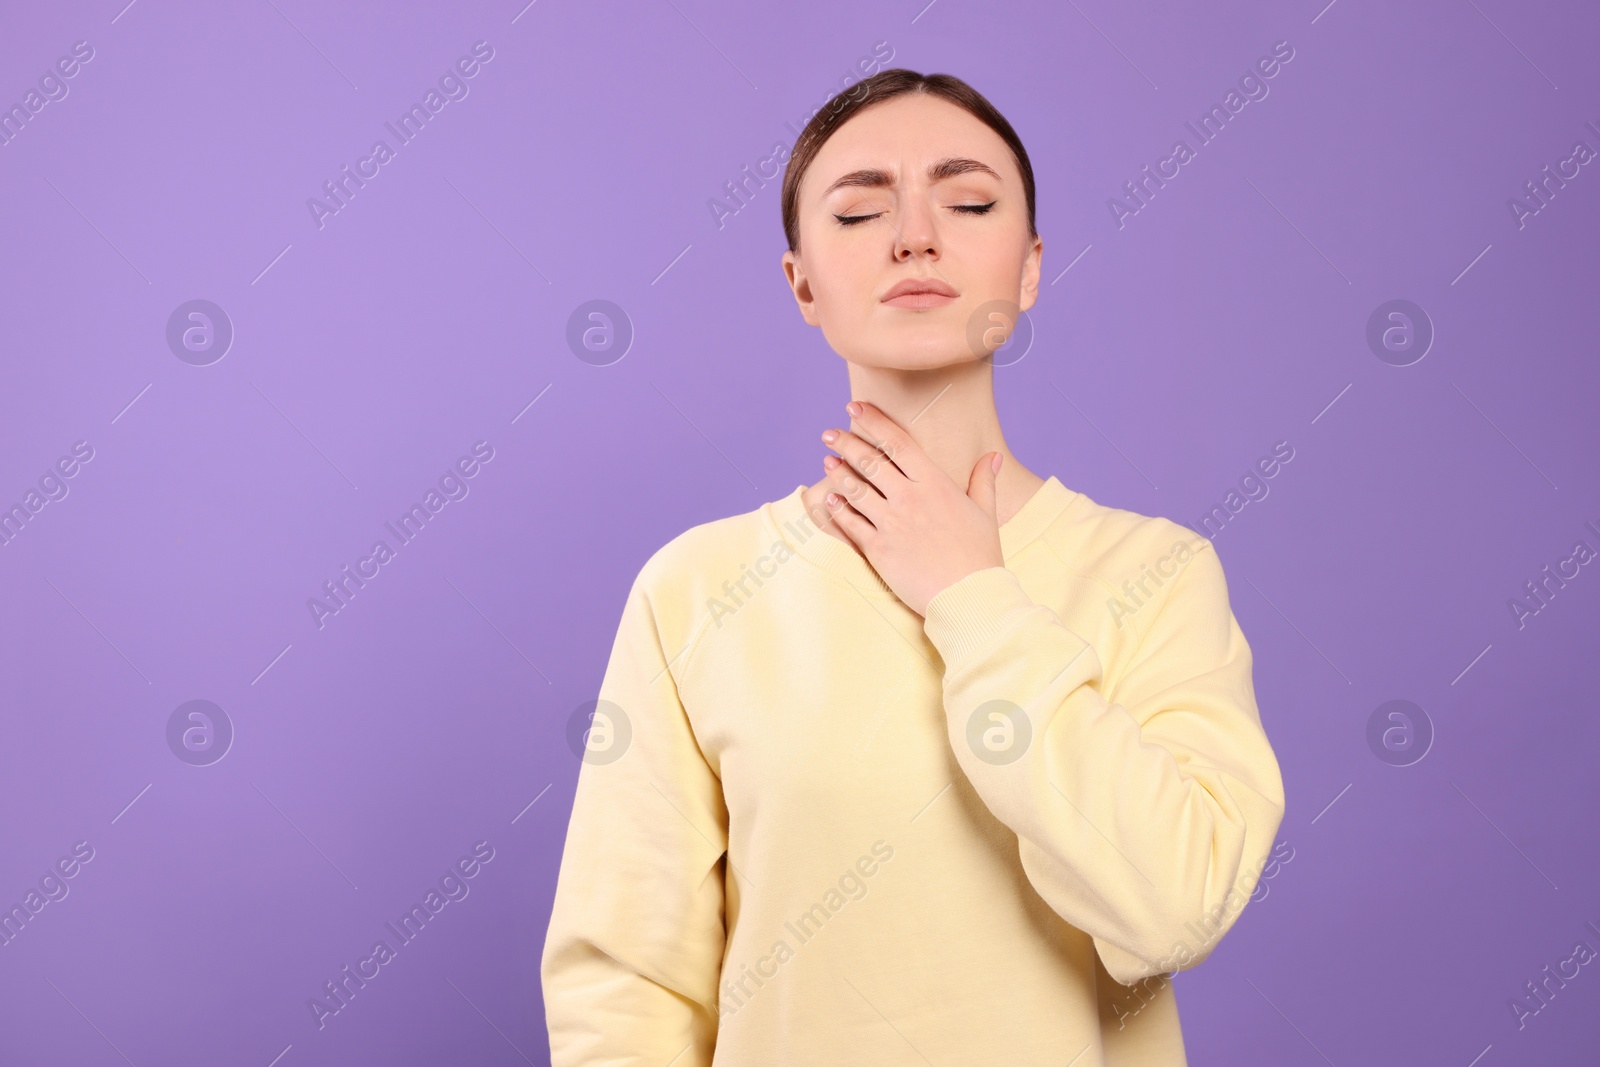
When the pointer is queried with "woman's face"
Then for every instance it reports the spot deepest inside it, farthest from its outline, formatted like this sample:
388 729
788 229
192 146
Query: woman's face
913 226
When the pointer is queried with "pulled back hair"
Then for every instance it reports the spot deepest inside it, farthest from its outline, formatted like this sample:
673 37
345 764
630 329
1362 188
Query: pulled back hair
886 85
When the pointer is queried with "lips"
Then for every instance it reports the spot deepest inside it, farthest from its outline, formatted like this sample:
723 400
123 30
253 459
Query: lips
919 294
930 287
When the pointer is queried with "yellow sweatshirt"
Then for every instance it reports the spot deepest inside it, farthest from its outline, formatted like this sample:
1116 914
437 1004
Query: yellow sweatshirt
814 828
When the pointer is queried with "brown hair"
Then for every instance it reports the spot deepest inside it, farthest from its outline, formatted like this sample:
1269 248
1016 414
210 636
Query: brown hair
885 85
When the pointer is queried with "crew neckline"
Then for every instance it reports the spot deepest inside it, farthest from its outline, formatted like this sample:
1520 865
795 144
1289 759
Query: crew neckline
787 520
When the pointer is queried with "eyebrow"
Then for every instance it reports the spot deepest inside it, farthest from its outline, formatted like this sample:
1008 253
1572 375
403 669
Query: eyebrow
877 178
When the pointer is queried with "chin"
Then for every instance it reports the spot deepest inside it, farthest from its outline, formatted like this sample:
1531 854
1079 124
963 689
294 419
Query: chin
929 351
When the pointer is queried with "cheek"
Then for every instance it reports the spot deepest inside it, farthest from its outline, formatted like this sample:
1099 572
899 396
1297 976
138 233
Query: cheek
996 270
843 284
997 253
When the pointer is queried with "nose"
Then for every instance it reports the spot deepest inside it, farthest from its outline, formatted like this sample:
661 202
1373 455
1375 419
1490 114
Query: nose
916 234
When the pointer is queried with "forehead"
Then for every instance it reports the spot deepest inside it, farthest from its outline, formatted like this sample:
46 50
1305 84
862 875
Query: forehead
904 136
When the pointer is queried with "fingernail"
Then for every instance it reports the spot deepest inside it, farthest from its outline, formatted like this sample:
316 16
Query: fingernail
853 408
828 436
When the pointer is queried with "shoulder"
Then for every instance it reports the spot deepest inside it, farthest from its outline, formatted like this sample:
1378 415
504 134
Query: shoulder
682 579
715 549
1141 558
1108 540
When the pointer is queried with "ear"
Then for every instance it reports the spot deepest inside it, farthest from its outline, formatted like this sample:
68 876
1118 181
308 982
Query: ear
1030 273
794 273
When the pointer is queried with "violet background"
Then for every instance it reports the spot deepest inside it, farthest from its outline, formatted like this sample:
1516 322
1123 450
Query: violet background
432 312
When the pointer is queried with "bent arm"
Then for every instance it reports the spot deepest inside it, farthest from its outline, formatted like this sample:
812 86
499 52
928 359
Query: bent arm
1143 815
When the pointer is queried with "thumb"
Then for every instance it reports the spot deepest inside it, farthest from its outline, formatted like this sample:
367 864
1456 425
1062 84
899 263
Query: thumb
980 486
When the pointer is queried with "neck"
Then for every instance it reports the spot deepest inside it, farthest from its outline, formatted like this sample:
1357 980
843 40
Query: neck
950 414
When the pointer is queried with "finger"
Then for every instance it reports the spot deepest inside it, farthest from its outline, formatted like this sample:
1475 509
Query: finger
858 529
981 483
890 438
869 463
850 485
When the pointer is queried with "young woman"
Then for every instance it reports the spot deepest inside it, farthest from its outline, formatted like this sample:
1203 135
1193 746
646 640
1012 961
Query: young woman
932 760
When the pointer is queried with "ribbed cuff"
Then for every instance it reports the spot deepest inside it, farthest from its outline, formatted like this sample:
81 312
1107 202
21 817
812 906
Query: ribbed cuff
963 618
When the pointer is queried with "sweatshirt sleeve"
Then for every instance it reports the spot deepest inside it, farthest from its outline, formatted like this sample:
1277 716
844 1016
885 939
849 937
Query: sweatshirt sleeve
632 957
1143 812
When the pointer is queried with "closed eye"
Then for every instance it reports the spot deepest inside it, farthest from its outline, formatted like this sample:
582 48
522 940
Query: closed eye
970 209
